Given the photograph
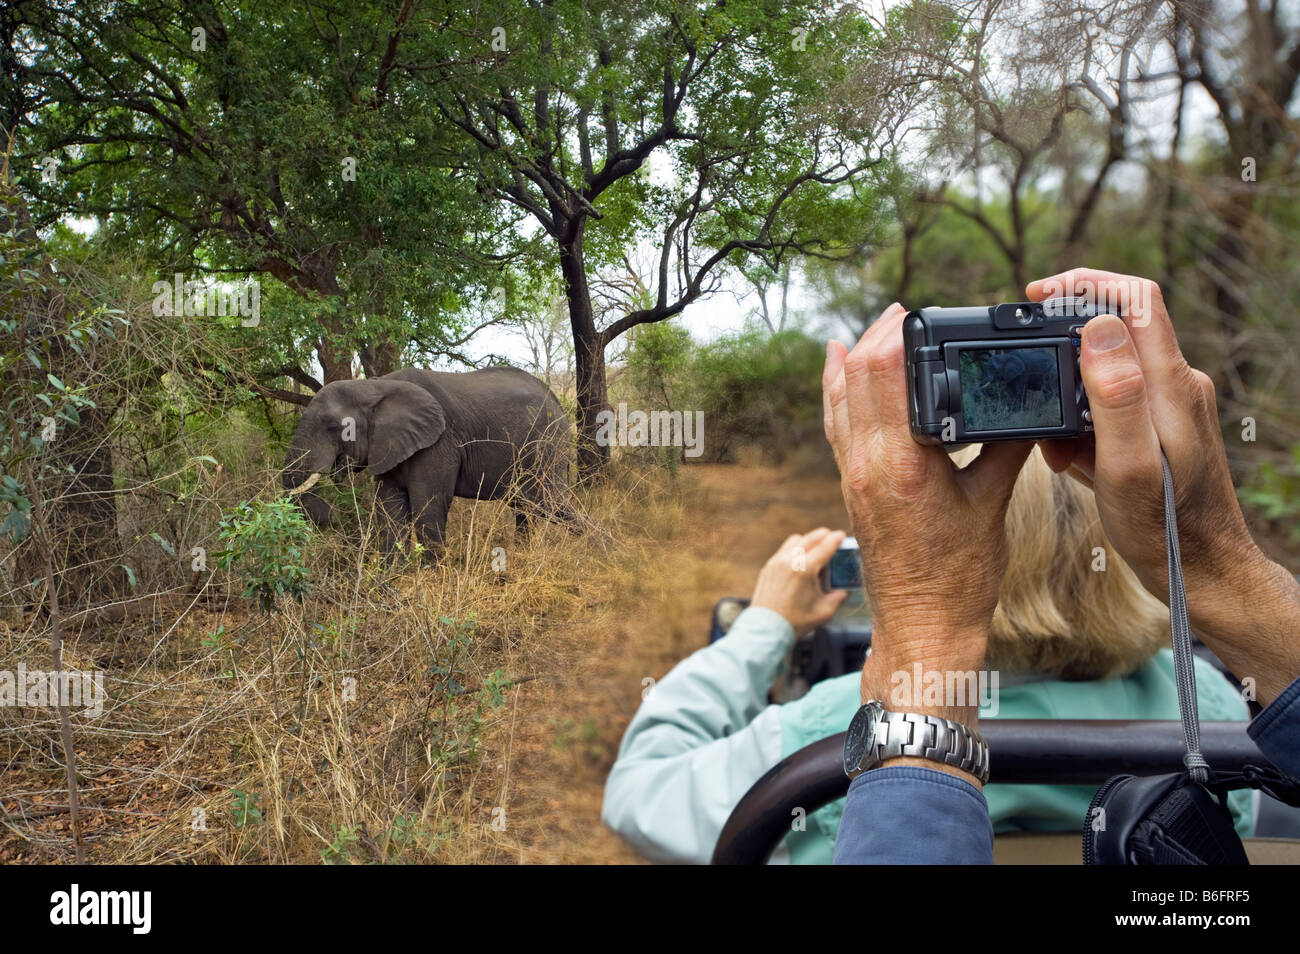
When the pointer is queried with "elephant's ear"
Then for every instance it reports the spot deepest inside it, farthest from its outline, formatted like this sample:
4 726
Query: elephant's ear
406 419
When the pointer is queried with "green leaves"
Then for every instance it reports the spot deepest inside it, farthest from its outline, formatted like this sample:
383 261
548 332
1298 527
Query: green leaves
1275 492
34 335
250 168
243 807
264 541
15 525
755 389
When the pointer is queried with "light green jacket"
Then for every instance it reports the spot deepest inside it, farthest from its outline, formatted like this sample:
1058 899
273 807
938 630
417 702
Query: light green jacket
705 733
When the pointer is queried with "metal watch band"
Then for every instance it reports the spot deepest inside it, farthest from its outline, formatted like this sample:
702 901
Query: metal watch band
929 737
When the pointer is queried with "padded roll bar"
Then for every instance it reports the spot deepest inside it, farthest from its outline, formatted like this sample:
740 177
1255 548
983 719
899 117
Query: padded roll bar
1023 751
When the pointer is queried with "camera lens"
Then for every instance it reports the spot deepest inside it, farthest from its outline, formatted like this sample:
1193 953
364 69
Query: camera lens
1025 316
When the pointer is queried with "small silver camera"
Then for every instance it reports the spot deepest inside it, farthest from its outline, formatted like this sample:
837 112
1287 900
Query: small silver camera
844 572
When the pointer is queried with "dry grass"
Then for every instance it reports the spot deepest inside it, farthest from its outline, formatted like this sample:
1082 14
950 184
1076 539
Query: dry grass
488 706
350 727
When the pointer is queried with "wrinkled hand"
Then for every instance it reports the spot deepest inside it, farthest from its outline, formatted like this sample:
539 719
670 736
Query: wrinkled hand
789 584
931 535
1144 397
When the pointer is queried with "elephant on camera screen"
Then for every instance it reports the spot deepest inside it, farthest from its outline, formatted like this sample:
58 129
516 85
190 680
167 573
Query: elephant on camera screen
428 436
1016 371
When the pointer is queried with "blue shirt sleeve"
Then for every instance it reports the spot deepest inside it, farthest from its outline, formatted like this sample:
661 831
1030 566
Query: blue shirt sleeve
1276 731
914 816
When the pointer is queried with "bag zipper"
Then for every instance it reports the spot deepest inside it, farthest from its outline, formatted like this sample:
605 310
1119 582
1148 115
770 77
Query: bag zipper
1089 833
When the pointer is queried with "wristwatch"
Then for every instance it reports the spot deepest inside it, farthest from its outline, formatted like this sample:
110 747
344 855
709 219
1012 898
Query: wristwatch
876 735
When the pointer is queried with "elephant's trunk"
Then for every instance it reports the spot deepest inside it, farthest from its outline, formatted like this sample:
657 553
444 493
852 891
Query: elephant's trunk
299 480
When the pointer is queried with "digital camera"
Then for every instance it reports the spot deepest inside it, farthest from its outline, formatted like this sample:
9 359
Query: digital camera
844 572
1004 372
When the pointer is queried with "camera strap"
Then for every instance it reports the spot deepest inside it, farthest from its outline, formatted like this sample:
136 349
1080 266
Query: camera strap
1180 818
1181 633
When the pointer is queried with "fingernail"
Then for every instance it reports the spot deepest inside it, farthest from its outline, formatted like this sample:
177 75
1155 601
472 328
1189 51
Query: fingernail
1104 333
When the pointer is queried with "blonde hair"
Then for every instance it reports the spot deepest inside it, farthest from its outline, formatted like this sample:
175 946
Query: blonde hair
1069 607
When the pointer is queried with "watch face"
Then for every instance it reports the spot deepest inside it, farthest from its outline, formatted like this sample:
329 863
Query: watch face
860 738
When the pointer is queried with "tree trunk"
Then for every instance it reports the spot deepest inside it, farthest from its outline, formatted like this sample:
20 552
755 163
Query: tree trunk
1019 230
82 523
84 513
335 363
589 351
379 358
1233 258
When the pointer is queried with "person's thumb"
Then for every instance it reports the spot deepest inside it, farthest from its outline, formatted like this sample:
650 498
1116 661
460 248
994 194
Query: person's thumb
1117 396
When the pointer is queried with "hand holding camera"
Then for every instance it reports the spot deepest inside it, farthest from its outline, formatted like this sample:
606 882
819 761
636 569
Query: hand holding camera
1144 397
1104 395
930 535
789 582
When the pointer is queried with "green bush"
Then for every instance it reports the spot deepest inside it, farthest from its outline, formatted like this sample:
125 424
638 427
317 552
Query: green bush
756 389
264 541
1275 492
658 359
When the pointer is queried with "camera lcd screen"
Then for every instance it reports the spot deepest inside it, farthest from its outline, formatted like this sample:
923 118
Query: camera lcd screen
845 570
1010 388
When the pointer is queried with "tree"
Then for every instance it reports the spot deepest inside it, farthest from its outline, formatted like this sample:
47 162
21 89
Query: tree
1250 67
709 131
549 347
1027 89
55 434
58 512
767 283
1020 115
285 140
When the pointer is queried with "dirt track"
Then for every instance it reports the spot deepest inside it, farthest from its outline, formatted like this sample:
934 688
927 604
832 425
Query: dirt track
566 728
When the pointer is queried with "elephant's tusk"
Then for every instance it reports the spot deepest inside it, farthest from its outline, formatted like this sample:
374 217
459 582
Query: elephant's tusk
305 486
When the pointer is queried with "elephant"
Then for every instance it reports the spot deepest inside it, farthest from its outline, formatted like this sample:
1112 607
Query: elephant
1014 372
428 436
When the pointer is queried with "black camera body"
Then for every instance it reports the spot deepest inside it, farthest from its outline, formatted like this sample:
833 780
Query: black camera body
1006 372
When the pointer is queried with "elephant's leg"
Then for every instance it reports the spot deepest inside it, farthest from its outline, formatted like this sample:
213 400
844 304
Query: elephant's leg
556 498
430 502
430 478
396 508
431 524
